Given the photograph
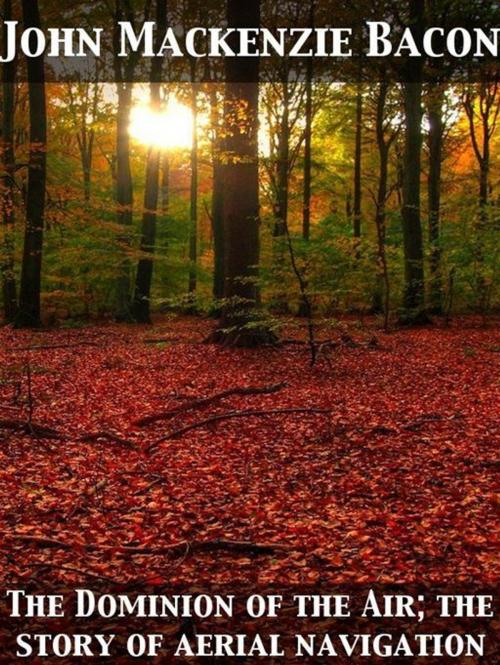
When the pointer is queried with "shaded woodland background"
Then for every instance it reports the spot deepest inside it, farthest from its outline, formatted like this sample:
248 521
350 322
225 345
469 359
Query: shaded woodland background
375 197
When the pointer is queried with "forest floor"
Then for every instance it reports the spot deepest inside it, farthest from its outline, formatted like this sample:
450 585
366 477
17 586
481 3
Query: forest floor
386 474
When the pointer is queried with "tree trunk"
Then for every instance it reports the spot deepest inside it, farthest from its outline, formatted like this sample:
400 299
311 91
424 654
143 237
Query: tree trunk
356 213
306 206
304 306
141 308
308 121
435 118
218 228
414 296
124 201
382 296
484 171
241 191
483 107
482 220
31 274
144 276
9 165
281 210
87 150
217 211
86 183
281 203
165 184
193 215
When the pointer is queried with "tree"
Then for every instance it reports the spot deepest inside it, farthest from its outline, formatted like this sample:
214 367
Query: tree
482 108
241 194
141 306
218 228
193 206
124 71
356 210
304 306
283 163
9 168
84 101
414 288
285 104
31 274
435 100
308 122
386 132
217 210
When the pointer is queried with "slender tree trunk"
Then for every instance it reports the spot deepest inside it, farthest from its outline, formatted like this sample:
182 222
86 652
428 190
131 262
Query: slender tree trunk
484 175
413 303
480 226
281 203
141 308
86 184
217 214
435 118
31 274
83 139
308 121
217 210
144 276
306 207
414 294
193 215
165 183
356 213
383 145
124 200
281 212
482 219
304 306
9 164
241 192
87 157
482 107
381 238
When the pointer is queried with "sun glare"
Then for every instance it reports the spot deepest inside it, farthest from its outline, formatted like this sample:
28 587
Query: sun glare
170 128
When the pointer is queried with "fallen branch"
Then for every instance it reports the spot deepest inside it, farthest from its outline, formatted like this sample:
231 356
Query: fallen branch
77 571
43 347
33 429
41 541
161 340
317 343
179 548
111 436
229 416
345 340
149 486
241 547
205 401
416 425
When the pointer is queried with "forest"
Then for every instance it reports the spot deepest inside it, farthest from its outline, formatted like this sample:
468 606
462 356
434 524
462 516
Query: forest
367 198
249 318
